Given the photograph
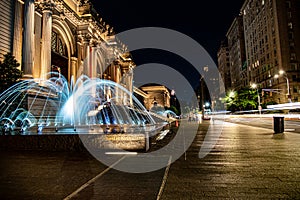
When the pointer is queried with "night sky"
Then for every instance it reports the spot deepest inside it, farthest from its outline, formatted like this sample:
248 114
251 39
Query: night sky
205 21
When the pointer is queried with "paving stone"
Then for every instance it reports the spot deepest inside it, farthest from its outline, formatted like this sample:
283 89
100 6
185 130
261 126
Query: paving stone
246 163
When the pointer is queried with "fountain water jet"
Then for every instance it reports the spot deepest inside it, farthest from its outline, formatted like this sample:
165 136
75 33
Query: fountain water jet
88 105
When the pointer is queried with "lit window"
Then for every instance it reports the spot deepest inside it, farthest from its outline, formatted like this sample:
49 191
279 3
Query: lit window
293 56
60 47
57 44
53 41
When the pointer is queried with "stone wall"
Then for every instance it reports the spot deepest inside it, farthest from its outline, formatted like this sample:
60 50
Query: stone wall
73 142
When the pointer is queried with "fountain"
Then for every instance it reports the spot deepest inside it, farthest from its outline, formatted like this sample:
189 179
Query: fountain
87 106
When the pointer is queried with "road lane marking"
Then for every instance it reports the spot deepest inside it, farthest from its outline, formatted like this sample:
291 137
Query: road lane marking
91 181
164 181
289 130
163 134
121 153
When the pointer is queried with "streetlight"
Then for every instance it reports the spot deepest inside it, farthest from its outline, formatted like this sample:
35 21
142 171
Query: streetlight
199 106
231 94
281 72
254 86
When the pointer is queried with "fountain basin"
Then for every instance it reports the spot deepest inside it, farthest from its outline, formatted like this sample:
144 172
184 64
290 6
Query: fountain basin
75 142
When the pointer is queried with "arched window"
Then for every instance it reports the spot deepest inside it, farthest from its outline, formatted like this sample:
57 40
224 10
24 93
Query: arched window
57 44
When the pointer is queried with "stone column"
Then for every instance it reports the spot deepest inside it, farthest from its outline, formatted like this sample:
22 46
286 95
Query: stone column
46 39
128 82
79 69
93 70
118 74
17 44
73 69
86 55
116 79
28 39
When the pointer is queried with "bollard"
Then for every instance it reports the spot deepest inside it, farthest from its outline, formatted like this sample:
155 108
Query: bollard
278 123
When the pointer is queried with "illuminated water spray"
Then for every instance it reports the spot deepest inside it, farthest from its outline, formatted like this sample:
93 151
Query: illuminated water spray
56 104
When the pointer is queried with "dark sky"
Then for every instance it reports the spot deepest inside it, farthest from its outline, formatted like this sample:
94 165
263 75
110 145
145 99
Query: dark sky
205 21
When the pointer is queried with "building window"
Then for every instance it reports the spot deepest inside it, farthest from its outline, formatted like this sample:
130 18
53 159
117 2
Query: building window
53 41
288 4
60 47
294 78
294 66
291 35
293 56
57 44
295 89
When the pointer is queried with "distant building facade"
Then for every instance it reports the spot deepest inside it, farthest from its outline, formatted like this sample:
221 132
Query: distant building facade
224 67
156 95
272 35
237 55
65 36
272 39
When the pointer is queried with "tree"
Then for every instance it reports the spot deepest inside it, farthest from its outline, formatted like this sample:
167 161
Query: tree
10 74
243 99
231 100
175 110
248 99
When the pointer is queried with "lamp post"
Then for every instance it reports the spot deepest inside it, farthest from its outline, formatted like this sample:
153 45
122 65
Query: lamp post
281 72
254 86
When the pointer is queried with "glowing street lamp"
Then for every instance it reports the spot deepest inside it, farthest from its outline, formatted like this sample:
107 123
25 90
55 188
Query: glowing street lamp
231 94
281 72
207 104
254 86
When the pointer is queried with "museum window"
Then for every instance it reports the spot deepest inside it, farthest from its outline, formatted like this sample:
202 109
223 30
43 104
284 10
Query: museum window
295 89
53 41
57 44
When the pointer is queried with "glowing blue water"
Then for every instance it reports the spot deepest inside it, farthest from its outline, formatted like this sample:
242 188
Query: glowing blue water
54 103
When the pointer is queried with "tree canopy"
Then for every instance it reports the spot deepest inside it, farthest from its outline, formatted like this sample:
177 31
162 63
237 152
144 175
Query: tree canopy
10 74
243 99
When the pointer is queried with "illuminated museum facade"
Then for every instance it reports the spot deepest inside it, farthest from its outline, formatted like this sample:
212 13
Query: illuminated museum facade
65 36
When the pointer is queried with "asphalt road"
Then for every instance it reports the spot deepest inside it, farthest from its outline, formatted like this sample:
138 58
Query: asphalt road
265 122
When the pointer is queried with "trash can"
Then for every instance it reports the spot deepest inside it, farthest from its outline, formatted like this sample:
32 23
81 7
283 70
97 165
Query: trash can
278 123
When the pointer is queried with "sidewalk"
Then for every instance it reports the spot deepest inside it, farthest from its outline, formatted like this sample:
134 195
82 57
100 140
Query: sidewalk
246 163
295 117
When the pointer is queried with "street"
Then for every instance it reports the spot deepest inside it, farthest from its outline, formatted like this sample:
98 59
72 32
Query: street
291 123
247 162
